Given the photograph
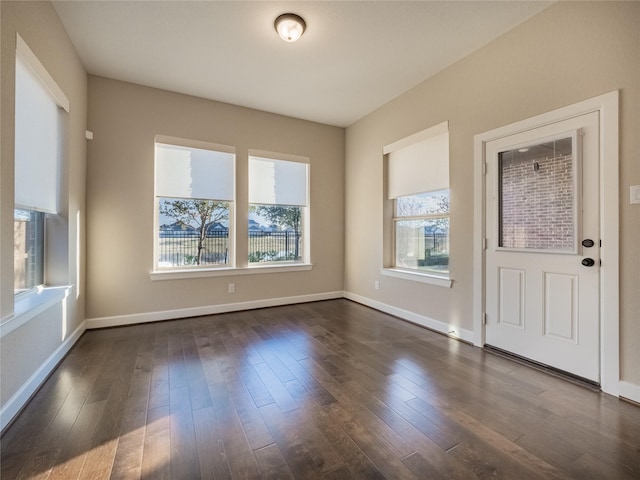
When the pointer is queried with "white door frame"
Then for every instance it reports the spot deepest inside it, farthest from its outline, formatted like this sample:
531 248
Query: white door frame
607 105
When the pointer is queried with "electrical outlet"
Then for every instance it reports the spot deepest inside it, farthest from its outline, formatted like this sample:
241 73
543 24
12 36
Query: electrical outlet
376 285
232 288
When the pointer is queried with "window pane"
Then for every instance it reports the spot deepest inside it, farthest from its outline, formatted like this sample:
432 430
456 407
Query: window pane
275 233
28 251
192 232
537 195
432 203
423 244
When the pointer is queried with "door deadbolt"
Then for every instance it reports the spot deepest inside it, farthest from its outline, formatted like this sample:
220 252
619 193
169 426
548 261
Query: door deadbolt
588 243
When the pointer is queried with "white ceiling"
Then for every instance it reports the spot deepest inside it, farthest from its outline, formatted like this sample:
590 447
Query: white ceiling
354 57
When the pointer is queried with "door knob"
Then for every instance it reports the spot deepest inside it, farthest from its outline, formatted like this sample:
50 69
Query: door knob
587 242
588 262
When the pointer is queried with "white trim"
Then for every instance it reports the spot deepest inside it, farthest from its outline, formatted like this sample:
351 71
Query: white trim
630 391
607 106
610 234
28 305
226 272
121 320
436 325
422 277
19 399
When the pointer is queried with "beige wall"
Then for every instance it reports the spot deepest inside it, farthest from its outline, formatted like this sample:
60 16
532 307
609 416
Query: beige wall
120 198
570 52
24 348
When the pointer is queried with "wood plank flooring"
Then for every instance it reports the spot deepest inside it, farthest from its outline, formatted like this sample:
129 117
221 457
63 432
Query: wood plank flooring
325 390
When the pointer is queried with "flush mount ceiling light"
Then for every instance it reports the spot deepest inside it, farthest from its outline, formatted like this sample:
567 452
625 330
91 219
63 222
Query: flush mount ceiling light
290 26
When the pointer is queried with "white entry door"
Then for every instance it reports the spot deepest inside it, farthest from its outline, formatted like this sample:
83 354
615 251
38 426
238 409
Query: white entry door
543 245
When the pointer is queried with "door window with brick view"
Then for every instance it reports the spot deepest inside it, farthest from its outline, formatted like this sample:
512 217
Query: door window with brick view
538 195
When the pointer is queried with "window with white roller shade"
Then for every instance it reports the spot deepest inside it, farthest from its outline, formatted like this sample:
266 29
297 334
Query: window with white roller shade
418 185
195 194
39 142
278 208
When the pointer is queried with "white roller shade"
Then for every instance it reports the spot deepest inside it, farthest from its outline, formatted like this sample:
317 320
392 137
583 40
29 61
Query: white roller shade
187 172
38 142
277 182
419 163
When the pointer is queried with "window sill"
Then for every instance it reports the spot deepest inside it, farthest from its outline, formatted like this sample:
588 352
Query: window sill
227 272
28 305
414 276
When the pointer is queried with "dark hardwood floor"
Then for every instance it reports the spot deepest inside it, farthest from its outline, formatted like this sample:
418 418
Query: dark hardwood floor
329 390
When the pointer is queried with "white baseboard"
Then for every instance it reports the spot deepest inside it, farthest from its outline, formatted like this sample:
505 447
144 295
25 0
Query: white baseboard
147 317
121 320
19 399
630 391
441 327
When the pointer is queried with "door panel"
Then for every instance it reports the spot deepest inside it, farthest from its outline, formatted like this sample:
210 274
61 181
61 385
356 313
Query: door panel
512 297
542 201
561 306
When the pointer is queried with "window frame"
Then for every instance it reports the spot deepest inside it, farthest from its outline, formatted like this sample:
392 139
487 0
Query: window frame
24 55
41 244
239 266
231 238
415 153
421 217
305 243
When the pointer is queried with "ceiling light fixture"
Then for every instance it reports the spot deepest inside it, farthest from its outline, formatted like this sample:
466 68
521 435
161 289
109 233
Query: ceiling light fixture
290 26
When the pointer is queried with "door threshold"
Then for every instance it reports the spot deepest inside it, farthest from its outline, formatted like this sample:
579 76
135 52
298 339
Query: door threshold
556 372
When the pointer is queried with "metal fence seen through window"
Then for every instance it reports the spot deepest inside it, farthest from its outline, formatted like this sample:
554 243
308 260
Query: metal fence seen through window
180 247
